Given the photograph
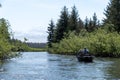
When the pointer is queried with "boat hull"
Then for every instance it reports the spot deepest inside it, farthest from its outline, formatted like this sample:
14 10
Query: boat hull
85 58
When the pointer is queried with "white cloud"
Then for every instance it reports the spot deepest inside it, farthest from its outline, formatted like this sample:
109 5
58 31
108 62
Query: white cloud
32 37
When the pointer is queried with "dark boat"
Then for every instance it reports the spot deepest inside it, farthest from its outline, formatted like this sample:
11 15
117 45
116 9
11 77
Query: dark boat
84 57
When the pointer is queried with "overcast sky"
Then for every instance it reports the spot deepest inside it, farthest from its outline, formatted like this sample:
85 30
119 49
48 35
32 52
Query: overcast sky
30 18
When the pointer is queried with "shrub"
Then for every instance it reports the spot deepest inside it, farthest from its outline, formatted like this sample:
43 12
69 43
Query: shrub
99 42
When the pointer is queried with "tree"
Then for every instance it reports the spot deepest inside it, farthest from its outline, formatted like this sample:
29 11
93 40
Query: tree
4 28
95 21
80 25
86 23
90 26
62 25
5 46
25 39
73 21
112 14
51 33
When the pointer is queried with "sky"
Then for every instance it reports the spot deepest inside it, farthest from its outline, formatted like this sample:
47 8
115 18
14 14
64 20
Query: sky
30 18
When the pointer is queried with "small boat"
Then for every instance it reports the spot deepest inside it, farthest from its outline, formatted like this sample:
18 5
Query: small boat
84 57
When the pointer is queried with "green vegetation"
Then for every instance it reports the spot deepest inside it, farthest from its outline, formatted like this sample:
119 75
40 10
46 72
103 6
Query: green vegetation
112 14
10 47
99 42
36 49
73 34
5 46
68 23
19 46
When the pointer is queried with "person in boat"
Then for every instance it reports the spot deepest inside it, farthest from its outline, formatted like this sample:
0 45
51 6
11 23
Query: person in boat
82 52
85 51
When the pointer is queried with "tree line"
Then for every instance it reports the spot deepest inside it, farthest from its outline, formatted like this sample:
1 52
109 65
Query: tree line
70 24
36 45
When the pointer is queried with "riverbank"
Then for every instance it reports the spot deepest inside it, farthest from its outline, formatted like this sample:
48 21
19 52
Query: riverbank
100 43
36 49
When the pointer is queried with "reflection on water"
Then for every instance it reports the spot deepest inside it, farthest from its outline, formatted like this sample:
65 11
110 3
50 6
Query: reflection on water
114 69
44 66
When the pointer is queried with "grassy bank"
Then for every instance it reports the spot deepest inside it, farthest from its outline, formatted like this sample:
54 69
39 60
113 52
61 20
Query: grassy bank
36 49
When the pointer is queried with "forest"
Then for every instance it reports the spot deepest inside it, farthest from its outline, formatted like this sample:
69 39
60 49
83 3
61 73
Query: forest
71 33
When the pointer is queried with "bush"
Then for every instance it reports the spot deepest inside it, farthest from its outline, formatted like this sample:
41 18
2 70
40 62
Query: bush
5 48
99 42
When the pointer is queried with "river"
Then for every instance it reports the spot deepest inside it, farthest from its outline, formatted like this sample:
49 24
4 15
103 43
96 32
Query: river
45 66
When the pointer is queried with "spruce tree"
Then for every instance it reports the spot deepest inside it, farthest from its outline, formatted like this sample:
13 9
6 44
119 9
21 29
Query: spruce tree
73 21
112 14
90 26
93 23
51 33
62 25
86 23
95 20
80 25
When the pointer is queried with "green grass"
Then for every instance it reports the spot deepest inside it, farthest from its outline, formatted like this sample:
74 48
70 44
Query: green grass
36 49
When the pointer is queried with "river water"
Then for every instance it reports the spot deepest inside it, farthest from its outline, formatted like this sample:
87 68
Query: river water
45 66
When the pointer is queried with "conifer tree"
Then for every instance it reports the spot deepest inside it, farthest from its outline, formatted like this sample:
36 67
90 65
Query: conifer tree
90 25
95 21
112 14
80 25
62 24
73 21
51 33
86 23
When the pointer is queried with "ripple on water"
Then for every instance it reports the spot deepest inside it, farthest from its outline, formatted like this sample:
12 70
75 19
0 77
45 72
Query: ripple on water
44 66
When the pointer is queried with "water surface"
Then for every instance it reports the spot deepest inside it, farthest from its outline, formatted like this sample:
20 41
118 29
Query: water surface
44 66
